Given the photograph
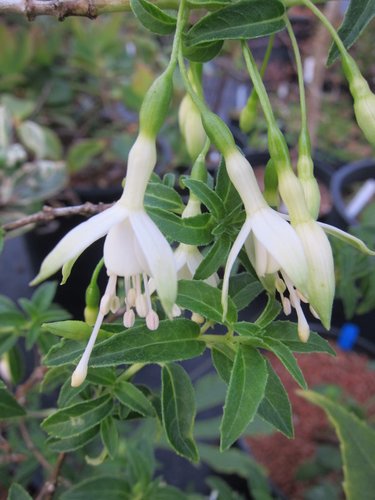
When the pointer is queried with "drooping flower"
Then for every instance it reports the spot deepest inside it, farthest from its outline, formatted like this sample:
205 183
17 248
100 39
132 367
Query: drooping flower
273 246
134 250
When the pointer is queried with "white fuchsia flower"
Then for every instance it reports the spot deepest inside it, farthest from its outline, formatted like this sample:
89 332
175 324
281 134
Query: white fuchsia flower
273 246
134 250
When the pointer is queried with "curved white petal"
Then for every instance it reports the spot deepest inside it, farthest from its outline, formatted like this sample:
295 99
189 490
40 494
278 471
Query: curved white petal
158 256
235 250
346 238
283 244
78 239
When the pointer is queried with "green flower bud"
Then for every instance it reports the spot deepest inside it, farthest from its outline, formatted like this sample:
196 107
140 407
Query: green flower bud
191 127
249 113
155 104
271 193
219 133
364 99
305 168
90 314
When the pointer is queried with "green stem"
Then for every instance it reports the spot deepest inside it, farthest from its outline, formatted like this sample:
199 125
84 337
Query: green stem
181 20
301 86
131 371
98 268
267 55
322 18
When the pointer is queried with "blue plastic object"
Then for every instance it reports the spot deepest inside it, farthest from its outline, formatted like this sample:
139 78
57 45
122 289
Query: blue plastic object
348 335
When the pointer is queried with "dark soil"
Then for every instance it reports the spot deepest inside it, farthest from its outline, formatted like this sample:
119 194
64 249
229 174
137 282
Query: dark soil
281 456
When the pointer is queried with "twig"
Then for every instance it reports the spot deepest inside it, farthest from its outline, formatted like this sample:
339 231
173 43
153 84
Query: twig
35 377
32 448
65 8
12 458
49 487
51 213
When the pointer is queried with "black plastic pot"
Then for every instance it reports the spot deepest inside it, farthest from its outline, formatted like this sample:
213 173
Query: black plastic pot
341 184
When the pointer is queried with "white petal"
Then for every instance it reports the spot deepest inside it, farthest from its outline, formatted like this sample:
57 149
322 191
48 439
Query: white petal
283 244
158 256
321 280
122 256
78 239
235 250
347 238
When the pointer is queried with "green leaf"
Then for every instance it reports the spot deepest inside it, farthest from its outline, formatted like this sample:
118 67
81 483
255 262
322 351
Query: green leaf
239 463
271 311
222 489
18 108
152 17
207 196
64 353
247 329
172 341
284 354
275 407
243 289
203 52
287 333
17 492
74 442
357 17
82 152
161 196
205 300
68 393
225 189
9 408
109 435
77 418
42 141
245 392
178 410
357 443
2 235
190 230
214 258
222 359
242 20
43 296
208 4
72 329
108 487
133 398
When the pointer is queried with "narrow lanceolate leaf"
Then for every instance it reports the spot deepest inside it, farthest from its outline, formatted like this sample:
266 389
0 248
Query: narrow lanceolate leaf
178 410
109 435
9 408
72 329
357 443
108 487
223 358
357 17
190 230
203 52
133 398
152 17
163 196
275 407
245 392
240 21
172 341
78 418
74 442
207 196
215 257
287 333
284 354
205 300
17 492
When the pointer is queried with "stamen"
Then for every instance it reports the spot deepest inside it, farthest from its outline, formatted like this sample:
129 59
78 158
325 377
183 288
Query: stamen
176 311
302 297
152 320
314 313
147 292
141 305
115 304
287 307
129 318
110 292
197 318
